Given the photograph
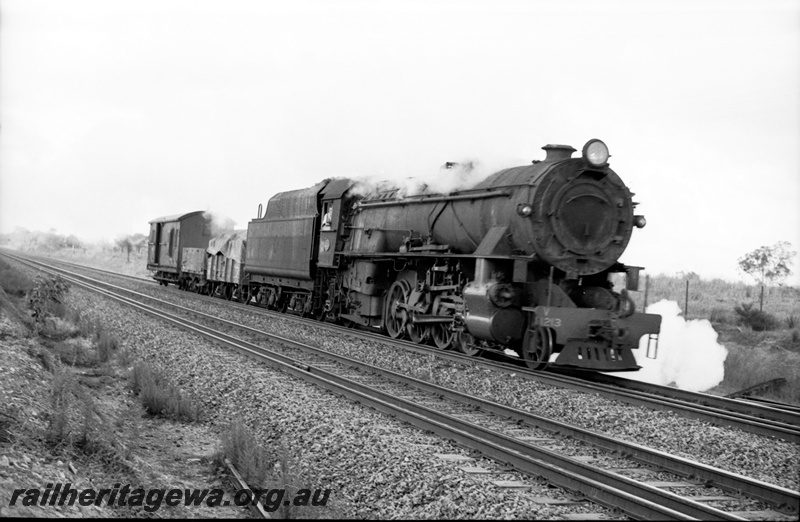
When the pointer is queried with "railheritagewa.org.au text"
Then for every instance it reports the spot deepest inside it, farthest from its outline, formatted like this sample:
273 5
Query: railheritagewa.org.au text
151 500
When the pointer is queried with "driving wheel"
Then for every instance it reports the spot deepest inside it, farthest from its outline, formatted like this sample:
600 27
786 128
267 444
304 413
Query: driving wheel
442 335
394 317
418 333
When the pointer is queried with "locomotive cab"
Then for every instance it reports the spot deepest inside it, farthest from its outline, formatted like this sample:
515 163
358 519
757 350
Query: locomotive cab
333 226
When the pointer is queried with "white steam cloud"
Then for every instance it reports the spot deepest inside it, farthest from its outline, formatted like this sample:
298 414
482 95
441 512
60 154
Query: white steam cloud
689 355
450 177
219 223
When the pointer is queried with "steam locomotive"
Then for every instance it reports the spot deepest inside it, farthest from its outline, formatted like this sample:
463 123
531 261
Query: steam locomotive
521 261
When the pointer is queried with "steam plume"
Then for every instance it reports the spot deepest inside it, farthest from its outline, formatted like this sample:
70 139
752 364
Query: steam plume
450 177
689 355
219 223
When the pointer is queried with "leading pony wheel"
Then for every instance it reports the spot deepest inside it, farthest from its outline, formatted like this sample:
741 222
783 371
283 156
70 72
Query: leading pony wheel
465 342
537 347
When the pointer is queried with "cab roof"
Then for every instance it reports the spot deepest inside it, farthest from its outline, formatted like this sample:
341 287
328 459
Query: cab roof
176 217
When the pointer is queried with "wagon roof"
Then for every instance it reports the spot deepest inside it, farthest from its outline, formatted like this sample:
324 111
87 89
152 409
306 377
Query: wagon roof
176 217
231 244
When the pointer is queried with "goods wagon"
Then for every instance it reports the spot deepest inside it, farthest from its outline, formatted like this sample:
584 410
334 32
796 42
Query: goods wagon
177 246
225 257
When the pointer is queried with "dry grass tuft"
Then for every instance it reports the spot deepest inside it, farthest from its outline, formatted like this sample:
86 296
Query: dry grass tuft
241 448
275 475
105 345
159 397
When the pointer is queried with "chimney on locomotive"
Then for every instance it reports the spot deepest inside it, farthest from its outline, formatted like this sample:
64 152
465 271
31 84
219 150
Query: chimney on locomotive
558 152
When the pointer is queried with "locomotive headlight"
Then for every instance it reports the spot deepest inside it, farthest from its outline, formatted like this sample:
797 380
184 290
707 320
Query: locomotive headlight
596 153
524 210
639 221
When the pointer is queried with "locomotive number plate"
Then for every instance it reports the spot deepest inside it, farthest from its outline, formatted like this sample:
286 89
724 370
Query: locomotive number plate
553 322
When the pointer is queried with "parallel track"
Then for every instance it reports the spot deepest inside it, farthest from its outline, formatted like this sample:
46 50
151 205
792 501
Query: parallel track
761 418
636 499
776 412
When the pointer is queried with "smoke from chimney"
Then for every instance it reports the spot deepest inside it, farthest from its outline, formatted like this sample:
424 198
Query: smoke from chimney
450 177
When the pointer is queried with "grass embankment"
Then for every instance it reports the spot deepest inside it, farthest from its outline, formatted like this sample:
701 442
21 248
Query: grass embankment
78 358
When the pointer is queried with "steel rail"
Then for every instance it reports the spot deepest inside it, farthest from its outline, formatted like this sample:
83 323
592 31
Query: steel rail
604 487
45 260
771 403
767 421
725 480
239 483
786 414
758 425
727 412
609 489
728 481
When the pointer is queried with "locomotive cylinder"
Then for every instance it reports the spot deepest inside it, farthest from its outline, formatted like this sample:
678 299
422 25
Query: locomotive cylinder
487 321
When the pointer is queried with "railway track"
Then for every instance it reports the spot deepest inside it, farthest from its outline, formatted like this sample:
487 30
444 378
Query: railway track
759 417
778 413
773 404
519 438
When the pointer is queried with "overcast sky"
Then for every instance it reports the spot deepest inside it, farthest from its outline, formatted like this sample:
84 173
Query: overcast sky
117 112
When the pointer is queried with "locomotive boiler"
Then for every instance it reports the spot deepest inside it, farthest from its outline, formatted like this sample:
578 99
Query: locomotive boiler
521 261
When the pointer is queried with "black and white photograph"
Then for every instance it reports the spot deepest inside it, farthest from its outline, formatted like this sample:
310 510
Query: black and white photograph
400 259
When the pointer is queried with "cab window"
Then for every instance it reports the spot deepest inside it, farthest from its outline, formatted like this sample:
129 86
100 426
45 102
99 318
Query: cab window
327 216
